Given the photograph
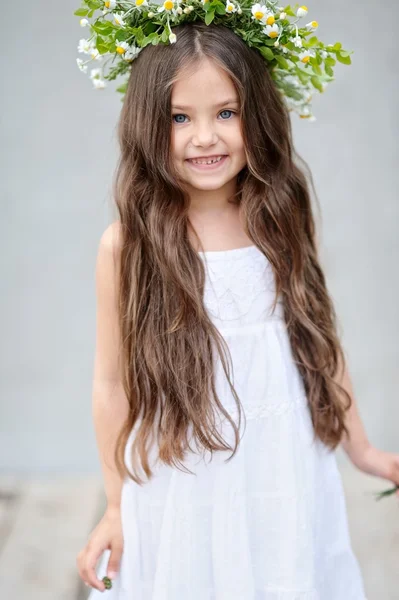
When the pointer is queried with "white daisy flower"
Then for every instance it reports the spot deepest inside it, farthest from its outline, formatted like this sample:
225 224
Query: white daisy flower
259 12
168 5
118 20
271 30
284 49
110 4
141 3
297 41
95 55
269 19
305 56
323 54
230 8
172 38
85 46
99 84
302 11
81 65
84 22
312 26
132 53
95 73
121 47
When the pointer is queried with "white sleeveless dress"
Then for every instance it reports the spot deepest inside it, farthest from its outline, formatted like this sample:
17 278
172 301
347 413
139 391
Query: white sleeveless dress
271 523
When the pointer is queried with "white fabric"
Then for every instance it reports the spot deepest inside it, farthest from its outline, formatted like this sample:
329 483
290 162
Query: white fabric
269 524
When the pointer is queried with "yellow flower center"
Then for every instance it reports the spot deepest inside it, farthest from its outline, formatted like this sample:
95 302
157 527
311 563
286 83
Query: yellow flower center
270 20
258 15
168 4
139 2
273 34
230 7
306 59
304 7
107 4
120 50
315 24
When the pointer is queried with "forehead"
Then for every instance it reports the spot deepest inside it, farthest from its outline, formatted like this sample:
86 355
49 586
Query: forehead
202 83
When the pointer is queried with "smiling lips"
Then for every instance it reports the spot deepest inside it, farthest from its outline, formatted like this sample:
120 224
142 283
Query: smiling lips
207 160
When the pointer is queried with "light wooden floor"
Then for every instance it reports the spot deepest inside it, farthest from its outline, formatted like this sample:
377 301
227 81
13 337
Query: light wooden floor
45 522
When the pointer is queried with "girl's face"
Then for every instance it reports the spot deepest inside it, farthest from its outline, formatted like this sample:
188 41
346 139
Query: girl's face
206 127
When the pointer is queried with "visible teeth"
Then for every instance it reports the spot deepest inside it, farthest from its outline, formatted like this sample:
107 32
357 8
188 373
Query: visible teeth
207 162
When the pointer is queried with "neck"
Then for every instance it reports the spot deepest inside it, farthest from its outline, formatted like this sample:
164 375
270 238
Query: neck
212 203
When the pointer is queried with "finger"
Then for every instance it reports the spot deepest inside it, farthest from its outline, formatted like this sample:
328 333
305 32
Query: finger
89 573
114 561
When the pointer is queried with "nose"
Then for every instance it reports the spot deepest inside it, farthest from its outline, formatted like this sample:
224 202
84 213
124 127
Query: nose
204 134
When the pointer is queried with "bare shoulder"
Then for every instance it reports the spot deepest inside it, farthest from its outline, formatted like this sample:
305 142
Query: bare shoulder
108 253
111 239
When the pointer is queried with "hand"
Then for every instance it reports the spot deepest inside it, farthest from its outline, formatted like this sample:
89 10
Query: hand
380 464
107 535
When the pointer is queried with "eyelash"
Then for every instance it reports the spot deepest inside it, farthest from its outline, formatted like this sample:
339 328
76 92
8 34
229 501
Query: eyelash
181 114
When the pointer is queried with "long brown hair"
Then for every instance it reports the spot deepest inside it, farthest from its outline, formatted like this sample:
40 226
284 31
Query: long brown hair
169 343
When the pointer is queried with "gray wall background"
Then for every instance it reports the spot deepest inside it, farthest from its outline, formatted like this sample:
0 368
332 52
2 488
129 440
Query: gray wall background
58 156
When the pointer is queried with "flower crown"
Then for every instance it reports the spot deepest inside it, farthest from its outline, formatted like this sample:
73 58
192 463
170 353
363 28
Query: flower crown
299 65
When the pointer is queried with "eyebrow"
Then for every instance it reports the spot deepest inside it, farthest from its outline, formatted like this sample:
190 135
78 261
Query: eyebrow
228 101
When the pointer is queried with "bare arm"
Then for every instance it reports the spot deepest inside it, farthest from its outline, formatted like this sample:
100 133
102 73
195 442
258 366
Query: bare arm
109 403
357 442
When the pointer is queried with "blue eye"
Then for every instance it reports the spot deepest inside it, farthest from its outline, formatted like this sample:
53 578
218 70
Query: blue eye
227 111
180 118
175 116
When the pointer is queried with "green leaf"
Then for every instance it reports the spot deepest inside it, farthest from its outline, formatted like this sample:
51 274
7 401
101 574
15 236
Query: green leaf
346 60
81 12
316 83
337 46
303 76
266 53
103 28
329 71
330 61
139 35
210 15
282 61
122 89
165 35
316 69
313 41
220 10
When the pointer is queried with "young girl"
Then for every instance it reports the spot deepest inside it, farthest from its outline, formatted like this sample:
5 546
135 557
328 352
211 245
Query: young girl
220 389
